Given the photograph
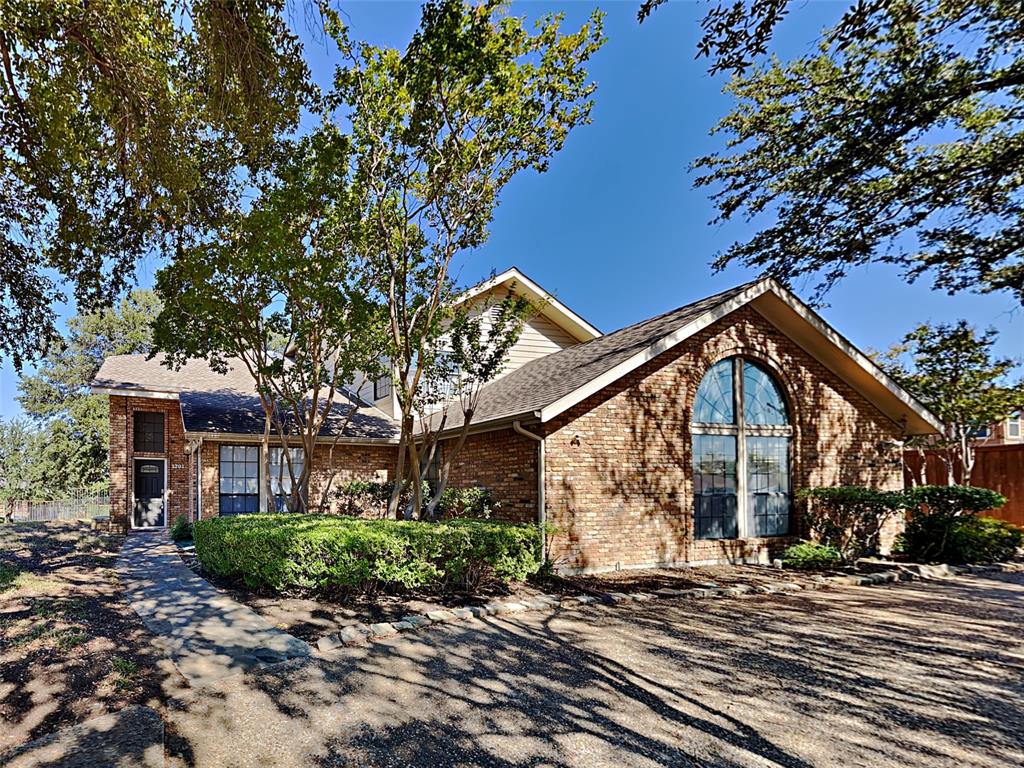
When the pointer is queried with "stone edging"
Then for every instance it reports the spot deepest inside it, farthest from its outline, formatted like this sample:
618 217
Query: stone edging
356 634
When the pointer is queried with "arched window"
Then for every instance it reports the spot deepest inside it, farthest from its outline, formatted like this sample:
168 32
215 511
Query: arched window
741 436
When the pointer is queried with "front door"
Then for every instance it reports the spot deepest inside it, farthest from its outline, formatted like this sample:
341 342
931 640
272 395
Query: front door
149 494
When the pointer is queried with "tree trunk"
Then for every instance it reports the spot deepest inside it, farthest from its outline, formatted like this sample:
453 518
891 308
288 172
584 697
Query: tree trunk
399 482
446 464
269 505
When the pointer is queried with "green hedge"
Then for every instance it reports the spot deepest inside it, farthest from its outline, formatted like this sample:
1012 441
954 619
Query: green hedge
316 552
963 539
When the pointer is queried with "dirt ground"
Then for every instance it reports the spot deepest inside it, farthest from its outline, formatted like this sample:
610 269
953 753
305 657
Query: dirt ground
70 646
910 675
311 617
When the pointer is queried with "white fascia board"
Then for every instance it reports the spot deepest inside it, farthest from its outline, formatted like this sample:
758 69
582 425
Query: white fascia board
661 345
562 314
870 367
134 393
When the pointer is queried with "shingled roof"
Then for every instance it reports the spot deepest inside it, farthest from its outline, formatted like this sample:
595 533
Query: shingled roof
546 380
236 413
227 403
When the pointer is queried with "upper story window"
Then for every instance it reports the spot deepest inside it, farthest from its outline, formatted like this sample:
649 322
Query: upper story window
1013 426
148 432
382 387
741 446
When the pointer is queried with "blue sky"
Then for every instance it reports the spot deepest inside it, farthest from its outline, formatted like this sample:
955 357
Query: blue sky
615 228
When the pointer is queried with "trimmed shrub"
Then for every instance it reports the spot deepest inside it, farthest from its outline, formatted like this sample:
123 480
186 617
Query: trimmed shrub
849 518
944 525
316 552
182 529
951 500
466 502
960 539
368 498
810 555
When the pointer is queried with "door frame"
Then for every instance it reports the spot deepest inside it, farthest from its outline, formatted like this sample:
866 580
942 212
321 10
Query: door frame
131 515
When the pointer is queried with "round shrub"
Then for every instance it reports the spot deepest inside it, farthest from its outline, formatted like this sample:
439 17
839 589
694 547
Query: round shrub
321 552
960 539
466 502
810 555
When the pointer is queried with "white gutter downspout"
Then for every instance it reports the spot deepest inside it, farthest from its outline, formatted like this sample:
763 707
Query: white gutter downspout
541 516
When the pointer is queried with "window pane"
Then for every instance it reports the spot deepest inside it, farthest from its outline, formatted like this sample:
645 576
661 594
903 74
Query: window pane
714 401
714 484
768 496
762 400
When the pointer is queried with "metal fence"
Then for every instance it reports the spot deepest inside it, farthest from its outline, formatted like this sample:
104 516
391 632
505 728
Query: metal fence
77 505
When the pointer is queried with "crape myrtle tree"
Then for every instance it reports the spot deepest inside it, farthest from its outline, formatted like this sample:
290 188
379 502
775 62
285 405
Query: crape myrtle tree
950 367
56 397
438 131
282 276
124 126
899 140
471 353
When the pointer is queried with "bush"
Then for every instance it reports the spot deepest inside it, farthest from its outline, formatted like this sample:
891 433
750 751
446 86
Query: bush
944 525
951 500
849 518
466 502
182 529
960 539
369 498
315 552
810 555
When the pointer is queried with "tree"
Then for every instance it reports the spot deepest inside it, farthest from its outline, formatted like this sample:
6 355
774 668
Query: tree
124 126
898 141
951 369
56 397
437 134
20 469
477 343
287 269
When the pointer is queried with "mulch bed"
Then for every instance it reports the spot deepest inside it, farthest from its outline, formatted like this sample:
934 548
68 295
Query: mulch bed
71 648
312 616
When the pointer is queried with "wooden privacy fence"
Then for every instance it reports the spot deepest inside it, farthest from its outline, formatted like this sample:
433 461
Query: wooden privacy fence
999 467
78 505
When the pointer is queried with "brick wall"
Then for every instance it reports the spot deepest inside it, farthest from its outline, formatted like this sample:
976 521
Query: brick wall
504 462
123 454
618 479
346 463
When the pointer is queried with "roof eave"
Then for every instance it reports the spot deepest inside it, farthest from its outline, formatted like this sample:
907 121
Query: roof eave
917 418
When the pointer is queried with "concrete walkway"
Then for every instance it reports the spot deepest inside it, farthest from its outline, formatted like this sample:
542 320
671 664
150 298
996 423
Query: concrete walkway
207 635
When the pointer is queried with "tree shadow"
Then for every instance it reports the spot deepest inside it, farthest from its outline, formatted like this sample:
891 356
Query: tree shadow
894 676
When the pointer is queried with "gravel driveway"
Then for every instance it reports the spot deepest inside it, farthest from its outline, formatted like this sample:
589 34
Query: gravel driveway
904 675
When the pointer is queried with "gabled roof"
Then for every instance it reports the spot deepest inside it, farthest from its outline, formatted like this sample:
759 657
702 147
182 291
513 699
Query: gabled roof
544 388
552 308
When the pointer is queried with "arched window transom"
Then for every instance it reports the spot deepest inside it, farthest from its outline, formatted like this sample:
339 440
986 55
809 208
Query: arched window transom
741 446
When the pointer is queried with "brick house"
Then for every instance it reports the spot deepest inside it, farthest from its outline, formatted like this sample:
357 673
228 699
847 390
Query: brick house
679 439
